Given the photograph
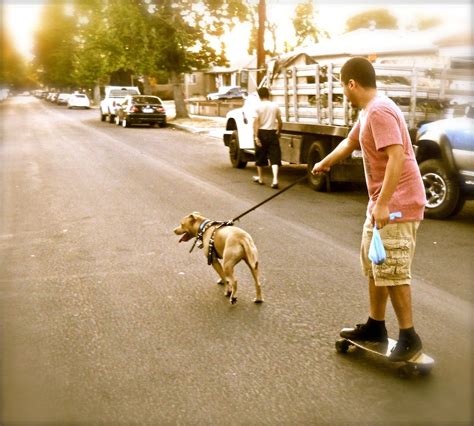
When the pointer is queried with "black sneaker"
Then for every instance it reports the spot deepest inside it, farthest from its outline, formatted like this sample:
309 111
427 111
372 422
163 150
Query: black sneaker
366 333
406 349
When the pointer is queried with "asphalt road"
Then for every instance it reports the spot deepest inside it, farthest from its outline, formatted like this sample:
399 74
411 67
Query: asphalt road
106 319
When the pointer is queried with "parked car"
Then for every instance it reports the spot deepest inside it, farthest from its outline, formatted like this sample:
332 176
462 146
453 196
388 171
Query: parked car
52 96
114 95
445 154
62 98
78 100
140 109
227 92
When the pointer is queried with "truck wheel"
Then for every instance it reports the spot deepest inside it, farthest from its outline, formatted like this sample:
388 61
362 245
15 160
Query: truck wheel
102 116
235 153
316 153
442 190
111 118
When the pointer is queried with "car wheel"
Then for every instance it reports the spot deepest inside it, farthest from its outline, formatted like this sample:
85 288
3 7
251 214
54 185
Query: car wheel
111 118
442 188
236 155
162 124
315 154
102 116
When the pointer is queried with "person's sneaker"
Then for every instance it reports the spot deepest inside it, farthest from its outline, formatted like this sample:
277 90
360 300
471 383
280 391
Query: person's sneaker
406 349
256 179
366 333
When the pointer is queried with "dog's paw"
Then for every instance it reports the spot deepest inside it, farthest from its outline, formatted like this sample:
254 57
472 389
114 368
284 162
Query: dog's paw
221 282
228 293
233 300
258 300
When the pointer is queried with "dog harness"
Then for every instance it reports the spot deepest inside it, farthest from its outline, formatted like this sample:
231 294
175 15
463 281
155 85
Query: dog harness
203 227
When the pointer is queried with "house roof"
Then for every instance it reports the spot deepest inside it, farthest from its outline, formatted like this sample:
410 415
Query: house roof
365 41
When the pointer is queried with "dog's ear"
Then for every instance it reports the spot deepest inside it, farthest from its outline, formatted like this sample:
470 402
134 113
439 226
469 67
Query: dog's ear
194 215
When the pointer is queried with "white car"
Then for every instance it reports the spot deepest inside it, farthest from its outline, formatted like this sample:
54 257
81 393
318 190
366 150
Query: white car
63 98
228 92
78 100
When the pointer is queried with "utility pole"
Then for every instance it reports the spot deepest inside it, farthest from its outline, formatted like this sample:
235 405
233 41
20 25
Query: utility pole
261 41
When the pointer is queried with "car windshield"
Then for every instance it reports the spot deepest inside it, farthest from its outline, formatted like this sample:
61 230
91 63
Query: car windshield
121 93
146 100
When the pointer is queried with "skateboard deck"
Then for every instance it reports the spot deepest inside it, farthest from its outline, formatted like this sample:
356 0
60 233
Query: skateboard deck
421 364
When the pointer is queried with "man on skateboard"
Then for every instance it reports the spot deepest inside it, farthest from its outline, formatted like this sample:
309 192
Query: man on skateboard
394 184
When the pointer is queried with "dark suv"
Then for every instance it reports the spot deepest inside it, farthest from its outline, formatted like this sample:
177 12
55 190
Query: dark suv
445 154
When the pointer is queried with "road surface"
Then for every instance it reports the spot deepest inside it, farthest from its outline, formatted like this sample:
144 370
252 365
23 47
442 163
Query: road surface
106 319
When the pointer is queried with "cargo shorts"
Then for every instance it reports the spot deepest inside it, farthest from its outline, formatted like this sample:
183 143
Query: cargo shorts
399 240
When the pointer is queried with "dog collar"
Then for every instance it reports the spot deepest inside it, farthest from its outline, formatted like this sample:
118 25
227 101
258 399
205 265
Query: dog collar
202 226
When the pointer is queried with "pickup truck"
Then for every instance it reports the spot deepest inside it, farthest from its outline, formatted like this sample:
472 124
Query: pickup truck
113 96
445 154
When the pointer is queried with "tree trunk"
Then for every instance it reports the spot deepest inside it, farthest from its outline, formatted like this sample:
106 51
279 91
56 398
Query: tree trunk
146 85
178 95
97 94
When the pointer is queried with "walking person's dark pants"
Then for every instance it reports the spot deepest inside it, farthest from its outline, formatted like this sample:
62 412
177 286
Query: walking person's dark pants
270 149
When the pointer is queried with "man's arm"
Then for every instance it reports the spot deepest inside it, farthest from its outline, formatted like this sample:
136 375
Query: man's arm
256 125
393 171
343 150
280 123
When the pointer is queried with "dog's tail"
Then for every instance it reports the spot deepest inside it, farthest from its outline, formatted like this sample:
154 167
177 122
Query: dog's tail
251 253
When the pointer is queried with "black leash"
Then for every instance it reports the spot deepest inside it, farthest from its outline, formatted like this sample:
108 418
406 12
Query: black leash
286 188
231 222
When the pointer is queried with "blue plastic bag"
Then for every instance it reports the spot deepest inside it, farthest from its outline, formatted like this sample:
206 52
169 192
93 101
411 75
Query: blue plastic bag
377 250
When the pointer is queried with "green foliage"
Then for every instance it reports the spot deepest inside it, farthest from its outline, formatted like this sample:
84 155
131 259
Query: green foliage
425 23
55 45
304 24
382 19
148 38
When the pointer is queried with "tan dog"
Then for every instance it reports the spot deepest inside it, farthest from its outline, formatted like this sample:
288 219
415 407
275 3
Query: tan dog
229 243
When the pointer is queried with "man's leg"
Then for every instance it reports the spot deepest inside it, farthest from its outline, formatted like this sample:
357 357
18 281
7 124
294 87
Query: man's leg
400 296
275 174
378 301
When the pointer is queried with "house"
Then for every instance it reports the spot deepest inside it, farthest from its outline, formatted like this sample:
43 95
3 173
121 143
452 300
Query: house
241 72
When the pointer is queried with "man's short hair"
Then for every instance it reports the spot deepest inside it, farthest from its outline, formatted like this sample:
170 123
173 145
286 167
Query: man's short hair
263 93
361 70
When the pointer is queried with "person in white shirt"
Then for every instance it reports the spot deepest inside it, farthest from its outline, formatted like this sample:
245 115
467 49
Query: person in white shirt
267 127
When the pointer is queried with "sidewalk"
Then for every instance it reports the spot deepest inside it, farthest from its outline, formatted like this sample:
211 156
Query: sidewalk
212 126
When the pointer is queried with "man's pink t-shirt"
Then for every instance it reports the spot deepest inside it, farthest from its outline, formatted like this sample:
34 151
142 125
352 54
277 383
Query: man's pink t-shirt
381 124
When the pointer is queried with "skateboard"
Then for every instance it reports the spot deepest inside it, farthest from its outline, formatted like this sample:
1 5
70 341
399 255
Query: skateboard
421 364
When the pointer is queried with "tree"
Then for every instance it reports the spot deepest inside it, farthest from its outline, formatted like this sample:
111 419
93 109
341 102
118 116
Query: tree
55 45
270 27
304 24
382 18
425 23
182 32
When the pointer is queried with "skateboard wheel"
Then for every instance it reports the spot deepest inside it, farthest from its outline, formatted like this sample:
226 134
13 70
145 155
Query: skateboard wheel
342 346
405 371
